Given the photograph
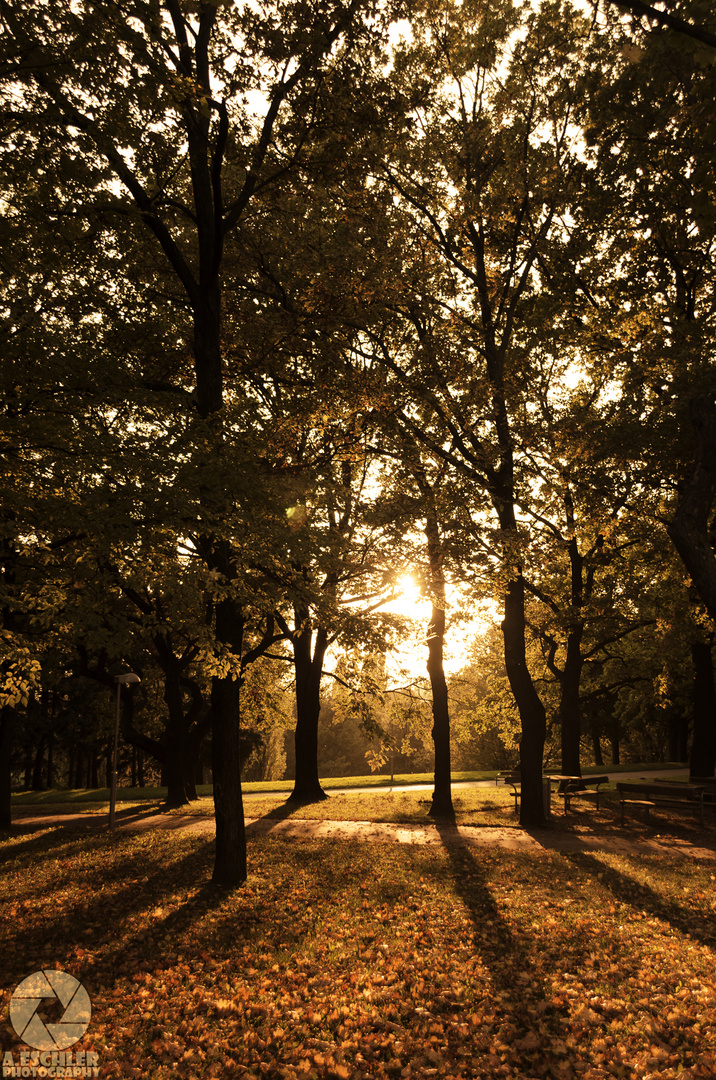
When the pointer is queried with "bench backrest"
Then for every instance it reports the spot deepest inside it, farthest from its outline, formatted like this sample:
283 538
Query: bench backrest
666 789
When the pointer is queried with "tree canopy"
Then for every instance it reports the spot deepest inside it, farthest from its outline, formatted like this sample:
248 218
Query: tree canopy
296 294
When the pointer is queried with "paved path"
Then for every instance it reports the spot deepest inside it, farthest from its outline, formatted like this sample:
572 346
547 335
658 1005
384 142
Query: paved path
457 784
473 836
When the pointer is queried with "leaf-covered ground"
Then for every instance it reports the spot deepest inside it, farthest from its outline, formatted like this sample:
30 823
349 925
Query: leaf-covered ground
352 959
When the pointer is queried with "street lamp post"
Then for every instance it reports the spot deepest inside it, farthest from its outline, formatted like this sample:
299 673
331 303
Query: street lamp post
130 677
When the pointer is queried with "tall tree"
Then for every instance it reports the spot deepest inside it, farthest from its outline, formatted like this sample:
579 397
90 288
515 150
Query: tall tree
170 120
477 198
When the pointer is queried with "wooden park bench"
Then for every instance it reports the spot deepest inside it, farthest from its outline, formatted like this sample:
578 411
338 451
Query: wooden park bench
514 780
648 793
575 787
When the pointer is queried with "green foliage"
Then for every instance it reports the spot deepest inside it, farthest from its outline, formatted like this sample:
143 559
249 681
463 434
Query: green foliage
271 277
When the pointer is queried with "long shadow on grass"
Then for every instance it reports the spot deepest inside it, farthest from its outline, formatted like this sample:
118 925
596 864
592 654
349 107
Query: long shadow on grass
267 822
40 840
70 818
644 899
97 918
506 957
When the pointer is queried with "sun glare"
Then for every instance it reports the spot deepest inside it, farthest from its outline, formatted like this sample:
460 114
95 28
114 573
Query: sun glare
409 589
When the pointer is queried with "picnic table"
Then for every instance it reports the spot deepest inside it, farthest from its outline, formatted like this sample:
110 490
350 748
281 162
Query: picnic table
570 787
650 793
708 783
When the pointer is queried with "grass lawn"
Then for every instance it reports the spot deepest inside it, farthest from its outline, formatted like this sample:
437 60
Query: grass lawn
479 806
71 798
349 959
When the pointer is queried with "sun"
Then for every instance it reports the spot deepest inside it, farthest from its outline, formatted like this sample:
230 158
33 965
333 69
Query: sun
408 600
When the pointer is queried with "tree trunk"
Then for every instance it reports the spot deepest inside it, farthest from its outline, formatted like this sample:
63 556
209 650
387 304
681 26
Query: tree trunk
7 727
50 767
614 740
192 756
38 765
703 748
689 529
580 590
230 857
441 806
569 705
597 748
532 713
309 669
175 738
533 719
197 723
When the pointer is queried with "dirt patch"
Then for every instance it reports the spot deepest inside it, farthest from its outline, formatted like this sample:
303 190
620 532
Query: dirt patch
552 838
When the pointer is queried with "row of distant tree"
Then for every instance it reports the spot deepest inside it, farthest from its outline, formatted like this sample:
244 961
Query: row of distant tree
299 297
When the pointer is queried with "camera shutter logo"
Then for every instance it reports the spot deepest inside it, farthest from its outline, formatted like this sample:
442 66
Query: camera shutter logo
28 997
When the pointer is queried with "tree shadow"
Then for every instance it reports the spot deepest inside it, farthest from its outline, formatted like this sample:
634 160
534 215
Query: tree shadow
78 923
506 955
41 840
642 898
270 820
